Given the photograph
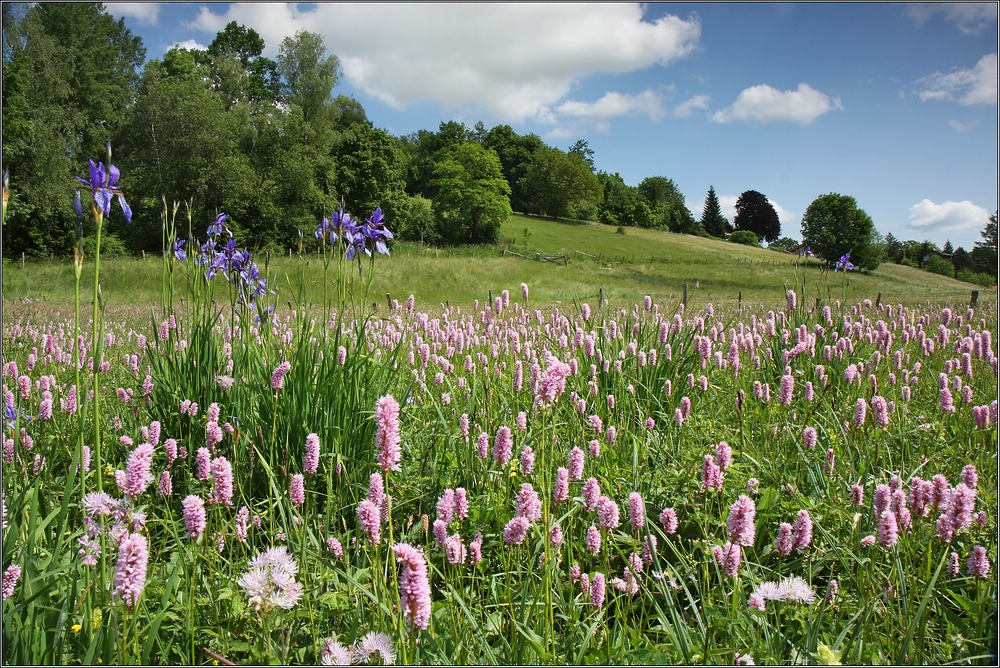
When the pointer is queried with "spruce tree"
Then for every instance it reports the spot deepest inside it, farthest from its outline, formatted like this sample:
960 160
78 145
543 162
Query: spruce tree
712 219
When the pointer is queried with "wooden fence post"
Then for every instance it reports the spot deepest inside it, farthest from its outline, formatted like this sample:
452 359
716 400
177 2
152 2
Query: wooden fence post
974 299
685 301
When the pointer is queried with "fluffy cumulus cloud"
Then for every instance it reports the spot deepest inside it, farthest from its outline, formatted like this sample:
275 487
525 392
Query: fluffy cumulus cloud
191 44
144 13
977 85
971 17
928 216
765 104
512 61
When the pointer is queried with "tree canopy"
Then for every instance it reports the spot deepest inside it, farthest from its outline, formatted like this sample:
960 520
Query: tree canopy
756 214
833 226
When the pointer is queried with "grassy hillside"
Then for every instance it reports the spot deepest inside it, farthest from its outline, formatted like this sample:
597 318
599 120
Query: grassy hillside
626 267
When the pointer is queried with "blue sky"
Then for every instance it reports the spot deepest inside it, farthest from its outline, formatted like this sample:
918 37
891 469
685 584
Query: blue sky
894 104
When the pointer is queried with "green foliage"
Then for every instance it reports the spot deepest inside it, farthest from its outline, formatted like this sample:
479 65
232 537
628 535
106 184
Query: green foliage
940 266
622 203
834 225
417 223
556 183
712 220
986 280
755 213
983 257
111 246
308 75
69 74
515 153
744 237
784 243
472 199
666 204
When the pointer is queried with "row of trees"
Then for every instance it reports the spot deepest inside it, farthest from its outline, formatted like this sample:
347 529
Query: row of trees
269 143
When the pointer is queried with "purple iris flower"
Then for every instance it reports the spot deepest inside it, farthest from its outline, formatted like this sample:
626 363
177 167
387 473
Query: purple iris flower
179 251
103 185
375 230
844 263
322 229
217 226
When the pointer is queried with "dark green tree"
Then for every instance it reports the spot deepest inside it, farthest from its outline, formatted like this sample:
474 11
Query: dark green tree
369 172
562 185
833 225
893 248
756 214
582 148
712 220
947 249
622 204
472 197
666 203
984 255
239 68
515 153
782 244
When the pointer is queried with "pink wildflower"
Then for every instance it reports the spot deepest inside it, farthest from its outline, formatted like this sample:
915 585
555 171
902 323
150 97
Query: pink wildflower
740 522
516 530
222 479
370 518
278 376
560 492
310 462
194 516
668 518
784 543
130 572
803 531
503 446
297 490
414 586
591 492
636 510
598 590
387 437
978 565
576 463
593 540
137 475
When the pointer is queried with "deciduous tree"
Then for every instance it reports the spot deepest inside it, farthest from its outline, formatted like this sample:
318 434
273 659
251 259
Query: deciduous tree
833 225
756 214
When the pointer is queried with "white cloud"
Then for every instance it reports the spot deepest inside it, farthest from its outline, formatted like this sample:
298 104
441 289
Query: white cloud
970 17
513 61
613 104
191 44
959 126
949 216
765 104
144 13
969 86
684 109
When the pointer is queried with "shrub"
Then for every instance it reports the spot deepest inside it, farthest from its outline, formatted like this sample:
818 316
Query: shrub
939 265
977 278
111 246
745 237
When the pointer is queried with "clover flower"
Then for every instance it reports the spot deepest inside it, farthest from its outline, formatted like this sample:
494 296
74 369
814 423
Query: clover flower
270 582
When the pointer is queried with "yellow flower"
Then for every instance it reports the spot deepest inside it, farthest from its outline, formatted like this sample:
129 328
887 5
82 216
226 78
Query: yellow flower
76 628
